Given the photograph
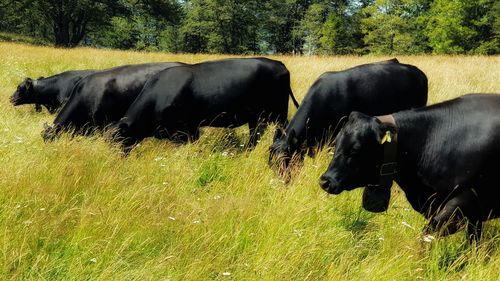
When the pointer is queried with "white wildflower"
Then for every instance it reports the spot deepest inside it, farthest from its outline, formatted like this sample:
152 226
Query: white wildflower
298 232
93 260
226 273
407 224
428 238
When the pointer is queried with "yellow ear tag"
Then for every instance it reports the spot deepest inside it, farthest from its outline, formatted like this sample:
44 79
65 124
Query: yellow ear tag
386 138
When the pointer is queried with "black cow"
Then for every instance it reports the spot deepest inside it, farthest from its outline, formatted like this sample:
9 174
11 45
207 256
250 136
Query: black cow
50 92
377 88
225 93
103 98
444 157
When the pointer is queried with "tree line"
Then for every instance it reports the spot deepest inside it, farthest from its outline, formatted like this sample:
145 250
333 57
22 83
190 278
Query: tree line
330 27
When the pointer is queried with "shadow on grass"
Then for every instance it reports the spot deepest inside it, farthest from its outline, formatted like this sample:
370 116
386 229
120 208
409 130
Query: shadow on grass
224 140
357 222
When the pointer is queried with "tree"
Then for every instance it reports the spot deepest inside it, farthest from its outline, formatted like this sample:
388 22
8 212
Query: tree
494 16
332 27
462 26
221 26
281 20
341 31
446 29
70 20
311 27
336 38
395 26
142 28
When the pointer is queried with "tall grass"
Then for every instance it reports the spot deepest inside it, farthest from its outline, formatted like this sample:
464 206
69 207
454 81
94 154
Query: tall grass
75 209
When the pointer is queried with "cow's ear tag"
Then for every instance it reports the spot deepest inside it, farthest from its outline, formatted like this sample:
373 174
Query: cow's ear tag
386 138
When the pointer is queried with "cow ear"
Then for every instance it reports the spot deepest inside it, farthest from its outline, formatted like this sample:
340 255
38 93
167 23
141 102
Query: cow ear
29 84
278 134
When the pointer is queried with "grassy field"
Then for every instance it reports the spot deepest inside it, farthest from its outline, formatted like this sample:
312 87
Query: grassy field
75 209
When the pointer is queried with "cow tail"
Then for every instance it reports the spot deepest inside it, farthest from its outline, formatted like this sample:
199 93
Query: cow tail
294 100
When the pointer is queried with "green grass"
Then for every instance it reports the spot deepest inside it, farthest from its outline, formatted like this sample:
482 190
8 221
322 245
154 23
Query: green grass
75 209
17 38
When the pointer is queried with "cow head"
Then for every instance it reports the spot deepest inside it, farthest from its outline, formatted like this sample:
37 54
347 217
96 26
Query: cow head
282 150
358 155
24 93
120 132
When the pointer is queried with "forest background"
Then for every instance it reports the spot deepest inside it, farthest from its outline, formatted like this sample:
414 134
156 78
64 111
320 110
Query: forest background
310 27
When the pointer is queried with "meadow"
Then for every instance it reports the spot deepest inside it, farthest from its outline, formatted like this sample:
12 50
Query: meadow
76 209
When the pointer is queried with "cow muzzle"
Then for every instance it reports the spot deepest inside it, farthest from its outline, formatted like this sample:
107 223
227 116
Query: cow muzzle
330 185
14 100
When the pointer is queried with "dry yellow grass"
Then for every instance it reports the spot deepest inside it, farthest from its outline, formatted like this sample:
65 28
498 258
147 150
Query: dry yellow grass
75 209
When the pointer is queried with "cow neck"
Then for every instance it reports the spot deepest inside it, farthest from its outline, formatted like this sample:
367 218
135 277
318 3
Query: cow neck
36 95
299 126
37 89
388 167
45 92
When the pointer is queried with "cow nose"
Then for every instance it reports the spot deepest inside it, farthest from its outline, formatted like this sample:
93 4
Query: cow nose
324 182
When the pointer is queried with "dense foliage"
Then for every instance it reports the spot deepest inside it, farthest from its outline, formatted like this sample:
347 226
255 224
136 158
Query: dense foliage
262 26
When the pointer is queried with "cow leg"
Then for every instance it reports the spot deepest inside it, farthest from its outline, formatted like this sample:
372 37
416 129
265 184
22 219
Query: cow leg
194 134
281 120
462 210
474 230
50 133
128 144
256 128
185 135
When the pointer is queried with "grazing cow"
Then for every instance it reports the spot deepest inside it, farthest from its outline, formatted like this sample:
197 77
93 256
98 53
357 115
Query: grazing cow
176 102
376 89
103 98
50 92
444 157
